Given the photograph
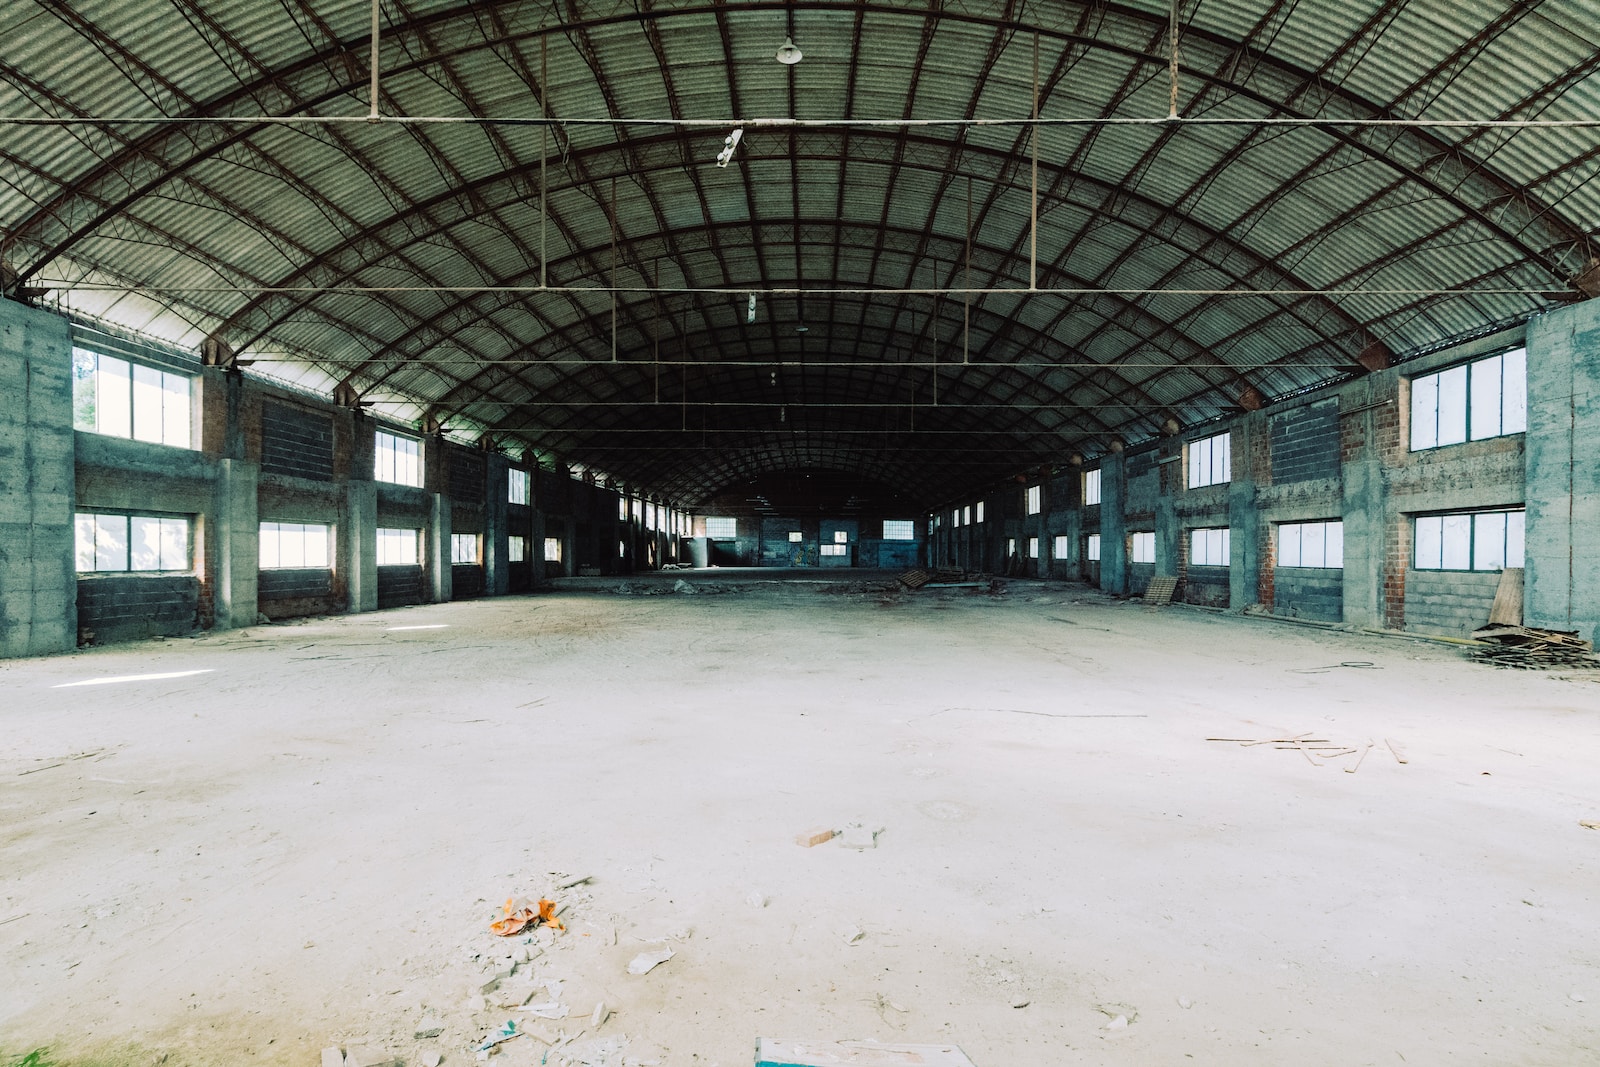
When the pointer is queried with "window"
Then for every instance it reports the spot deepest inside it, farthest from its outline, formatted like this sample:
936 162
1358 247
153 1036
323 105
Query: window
835 550
398 548
398 459
552 550
721 527
1144 547
122 399
622 550
1011 546
649 516
1485 398
622 508
1035 499
1033 548
980 511
287 545
463 548
899 530
1311 544
1091 486
1060 551
1209 548
1210 462
1482 541
517 487
841 537
966 514
517 549
955 517
1091 550
131 542
794 537
638 510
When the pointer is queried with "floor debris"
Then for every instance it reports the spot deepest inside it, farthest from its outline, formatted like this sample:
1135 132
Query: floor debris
521 915
1528 648
812 838
645 962
800 1053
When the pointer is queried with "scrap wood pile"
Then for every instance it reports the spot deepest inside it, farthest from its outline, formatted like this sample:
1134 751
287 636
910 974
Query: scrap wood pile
1318 750
1527 648
940 578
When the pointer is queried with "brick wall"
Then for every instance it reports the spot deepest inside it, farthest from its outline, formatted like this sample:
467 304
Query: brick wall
1309 593
1306 443
129 607
466 581
398 586
293 583
466 476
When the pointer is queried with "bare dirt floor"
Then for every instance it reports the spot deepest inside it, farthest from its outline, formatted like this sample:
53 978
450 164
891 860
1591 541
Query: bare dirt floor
304 845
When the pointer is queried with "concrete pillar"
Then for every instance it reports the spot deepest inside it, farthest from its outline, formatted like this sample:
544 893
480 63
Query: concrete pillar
1113 524
236 529
1169 531
1244 518
496 526
436 572
360 536
1562 579
38 576
1365 532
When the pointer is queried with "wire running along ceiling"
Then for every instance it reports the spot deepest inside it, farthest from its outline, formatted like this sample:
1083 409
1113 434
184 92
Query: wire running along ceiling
945 293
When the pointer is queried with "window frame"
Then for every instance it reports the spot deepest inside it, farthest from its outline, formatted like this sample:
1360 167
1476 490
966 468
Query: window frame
1209 460
1472 551
1092 487
1141 537
99 517
1091 548
415 540
1033 499
1033 548
1204 541
460 541
1060 547
516 479
1286 533
516 548
550 542
908 525
395 468
714 526
170 425
302 530
1467 381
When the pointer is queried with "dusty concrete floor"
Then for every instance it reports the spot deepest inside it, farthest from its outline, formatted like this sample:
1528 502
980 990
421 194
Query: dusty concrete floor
302 846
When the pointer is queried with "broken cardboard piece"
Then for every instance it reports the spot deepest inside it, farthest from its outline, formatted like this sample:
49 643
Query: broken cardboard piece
645 962
521 915
771 1052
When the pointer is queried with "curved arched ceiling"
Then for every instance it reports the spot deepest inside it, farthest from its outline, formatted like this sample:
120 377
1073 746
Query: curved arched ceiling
914 326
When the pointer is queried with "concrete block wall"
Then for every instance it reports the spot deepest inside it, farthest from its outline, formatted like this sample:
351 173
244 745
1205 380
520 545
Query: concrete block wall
1342 453
265 453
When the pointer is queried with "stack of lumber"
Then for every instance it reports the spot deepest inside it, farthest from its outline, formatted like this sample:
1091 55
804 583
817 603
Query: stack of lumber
1527 648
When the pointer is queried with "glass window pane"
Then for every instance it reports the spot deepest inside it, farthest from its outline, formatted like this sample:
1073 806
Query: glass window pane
1425 412
1221 459
83 391
1457 542
83 530
1312 544
269 545
1489 541
1514 394
175 426
1515 531
146 403
293 545
1094 548
1453 406
1430 543
110 542
317 546
1334 545
144 545
1196 462
1485 408
114 407
1289 546
175 544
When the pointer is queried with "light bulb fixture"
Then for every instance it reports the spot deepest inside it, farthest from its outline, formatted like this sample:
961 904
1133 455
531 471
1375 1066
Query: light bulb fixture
725 156
750 310
789 55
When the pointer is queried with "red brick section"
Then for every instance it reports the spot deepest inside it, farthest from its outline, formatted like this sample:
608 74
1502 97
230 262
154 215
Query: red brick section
1260 466
1265 585
1397 551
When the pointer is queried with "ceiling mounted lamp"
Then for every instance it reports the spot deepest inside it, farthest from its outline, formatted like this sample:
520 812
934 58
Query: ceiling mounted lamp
789 55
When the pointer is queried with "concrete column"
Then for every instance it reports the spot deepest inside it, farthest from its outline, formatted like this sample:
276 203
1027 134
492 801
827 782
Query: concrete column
38 576
236 528
1244 518
436 572
1562 579
496 526
1168 529
1113 524
1365 533
360 535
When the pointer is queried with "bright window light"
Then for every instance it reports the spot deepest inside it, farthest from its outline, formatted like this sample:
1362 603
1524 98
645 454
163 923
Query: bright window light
1060 550
1091 487
291 545
552 549
795 537
1033 548
1210 461
1034 499
1311 544
517 487
516 549
1142 547
464 548
113 543
396 459
134 678
1478 400
398 548
1209 548
979 514
721 526
121 399
1475 541
1092 548
899 530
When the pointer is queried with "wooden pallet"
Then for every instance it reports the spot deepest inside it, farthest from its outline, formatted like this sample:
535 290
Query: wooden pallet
915 579
1160 590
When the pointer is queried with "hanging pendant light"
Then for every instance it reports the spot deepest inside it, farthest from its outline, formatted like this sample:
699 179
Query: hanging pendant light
789 55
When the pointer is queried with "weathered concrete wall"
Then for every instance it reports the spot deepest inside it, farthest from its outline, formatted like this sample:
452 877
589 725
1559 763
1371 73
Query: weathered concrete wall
1449 602
1309 593
1563 464
38 611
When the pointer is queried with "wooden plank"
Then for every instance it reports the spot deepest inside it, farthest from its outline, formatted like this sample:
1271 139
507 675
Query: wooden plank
1507 609
1160 590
